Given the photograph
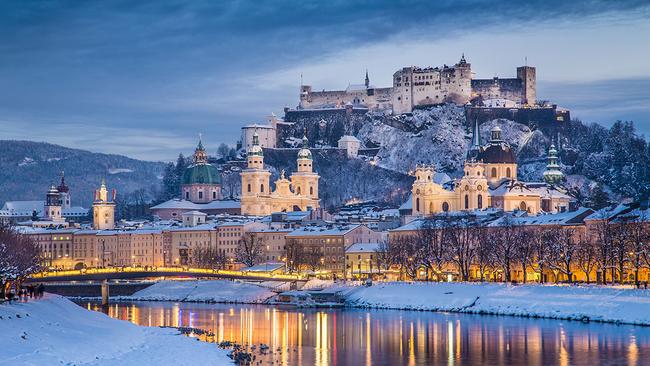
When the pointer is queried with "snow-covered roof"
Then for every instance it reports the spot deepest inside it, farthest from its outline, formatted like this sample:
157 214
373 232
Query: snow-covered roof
255 125
348 138
187 205
563 218
201 227
518 188
264 267
26 208
362 248
323 230
408 204
194 213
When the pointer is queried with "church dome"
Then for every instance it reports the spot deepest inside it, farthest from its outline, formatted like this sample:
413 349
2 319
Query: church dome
304 153
497 154
201 174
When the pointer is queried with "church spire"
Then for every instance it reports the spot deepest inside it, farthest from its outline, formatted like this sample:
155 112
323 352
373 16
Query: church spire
553 174
200 156
476 136
367 80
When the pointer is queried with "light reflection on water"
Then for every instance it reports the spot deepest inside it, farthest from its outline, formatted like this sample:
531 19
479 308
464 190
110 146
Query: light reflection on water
339 337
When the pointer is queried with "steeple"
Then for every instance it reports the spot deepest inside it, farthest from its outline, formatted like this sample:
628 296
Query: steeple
200 155
367 80
62 188
476 136
553 174
495 135
462 59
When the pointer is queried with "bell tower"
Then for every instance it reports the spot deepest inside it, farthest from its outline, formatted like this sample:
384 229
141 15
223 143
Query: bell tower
104 209
255 181
53 205
304 181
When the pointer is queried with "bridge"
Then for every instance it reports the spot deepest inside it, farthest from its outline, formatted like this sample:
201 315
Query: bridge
138 273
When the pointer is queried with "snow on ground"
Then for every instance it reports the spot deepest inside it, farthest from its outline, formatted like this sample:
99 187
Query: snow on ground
608 304
203 291
55 331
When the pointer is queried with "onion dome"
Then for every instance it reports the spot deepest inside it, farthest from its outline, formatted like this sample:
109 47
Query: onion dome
552 174
63 188
304 153
497 151
256 149
201 172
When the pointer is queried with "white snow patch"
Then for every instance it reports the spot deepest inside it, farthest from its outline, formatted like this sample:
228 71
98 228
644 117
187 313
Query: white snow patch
119 170
203 291
26 161
55 331
596 303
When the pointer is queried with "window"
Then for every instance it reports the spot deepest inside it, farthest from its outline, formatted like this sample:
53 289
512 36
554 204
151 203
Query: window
508 172
466 202
480 201
200 195
522 206
214 195
187 195
494 172
261 187
249 187
445 206
417 204
298 190
311 190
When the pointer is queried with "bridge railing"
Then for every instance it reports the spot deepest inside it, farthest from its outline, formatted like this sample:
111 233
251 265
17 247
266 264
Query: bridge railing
163 270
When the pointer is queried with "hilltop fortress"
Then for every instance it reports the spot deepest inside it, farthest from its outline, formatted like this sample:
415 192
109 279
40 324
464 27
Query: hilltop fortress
414 87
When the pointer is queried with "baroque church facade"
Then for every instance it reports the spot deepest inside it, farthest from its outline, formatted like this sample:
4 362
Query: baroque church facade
298 193
490 181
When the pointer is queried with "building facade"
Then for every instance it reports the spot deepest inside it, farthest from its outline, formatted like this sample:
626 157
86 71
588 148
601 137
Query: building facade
299 193
104 209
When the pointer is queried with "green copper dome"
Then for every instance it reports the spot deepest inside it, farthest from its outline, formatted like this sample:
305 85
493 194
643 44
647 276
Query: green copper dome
201 174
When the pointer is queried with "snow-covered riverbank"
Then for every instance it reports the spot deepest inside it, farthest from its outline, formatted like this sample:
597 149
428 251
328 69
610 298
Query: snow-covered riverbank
55 331
594 303
218 291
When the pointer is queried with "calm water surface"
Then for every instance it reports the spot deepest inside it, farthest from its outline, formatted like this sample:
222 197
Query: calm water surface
340 337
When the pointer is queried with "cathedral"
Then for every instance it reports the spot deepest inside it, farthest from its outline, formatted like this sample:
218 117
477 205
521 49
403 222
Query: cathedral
298 193
490 181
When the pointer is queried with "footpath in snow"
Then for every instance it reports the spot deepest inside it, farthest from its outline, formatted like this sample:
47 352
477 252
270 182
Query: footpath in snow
594 303
217 291
55 331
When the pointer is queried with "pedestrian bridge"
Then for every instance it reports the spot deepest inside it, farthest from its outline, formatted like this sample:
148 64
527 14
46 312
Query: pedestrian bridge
134 273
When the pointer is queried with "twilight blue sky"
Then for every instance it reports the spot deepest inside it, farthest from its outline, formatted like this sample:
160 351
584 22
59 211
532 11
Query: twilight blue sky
144 79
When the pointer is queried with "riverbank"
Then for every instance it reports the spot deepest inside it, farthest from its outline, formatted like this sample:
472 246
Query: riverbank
54 331
584 303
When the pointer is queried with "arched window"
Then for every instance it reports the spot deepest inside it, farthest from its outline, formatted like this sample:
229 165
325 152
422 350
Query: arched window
417 204
214 195
249 187
187 195
298 190
508 172
466 202
494 172
522 206
431 207
445 206
311 190
262 187
480 201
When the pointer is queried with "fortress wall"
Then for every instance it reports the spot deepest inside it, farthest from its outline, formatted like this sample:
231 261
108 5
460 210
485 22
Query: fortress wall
338 122
379 98
511 89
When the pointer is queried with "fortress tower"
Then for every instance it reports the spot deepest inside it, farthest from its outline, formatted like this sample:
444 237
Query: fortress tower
104 209
527 75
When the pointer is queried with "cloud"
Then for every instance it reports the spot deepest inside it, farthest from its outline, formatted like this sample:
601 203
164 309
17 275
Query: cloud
210 66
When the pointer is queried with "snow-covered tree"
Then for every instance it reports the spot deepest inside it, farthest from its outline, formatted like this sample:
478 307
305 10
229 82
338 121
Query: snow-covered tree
250 249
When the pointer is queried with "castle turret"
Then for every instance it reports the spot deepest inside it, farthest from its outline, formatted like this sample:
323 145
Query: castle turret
527 75
52 206
104 208
553 175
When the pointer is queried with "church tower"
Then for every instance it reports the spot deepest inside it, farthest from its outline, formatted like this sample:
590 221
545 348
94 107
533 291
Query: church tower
64 193
304 181
553 175
201 181
53 205
104 209
255 181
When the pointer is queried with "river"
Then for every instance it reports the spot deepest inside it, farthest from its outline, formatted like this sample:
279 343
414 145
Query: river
360 337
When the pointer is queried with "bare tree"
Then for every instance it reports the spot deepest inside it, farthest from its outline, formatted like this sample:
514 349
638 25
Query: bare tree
431 253
484 255
544 239
620 249
294 255
525 249
604 234
586 257
19 257
209 257
564 250
384 256
639 243
313 258
250 249
505 245
461 241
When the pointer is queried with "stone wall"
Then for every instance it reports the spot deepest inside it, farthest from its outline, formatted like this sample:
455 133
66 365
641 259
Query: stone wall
323 126
547 119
